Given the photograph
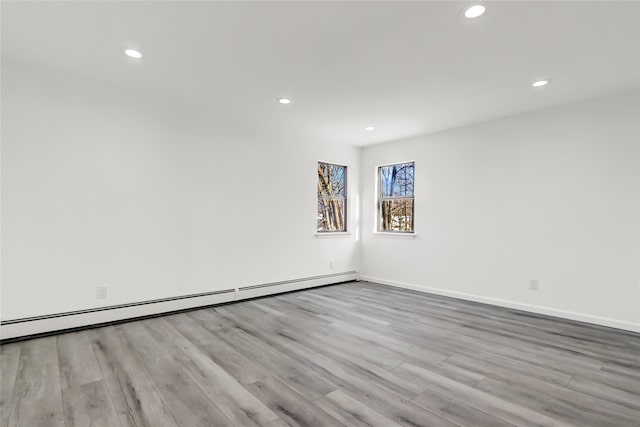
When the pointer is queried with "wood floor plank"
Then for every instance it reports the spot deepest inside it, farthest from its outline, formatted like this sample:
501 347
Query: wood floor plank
278 363
9 360
329 337
456 411
485 402
453 372
89 404
181 396
274 335
243 369
231 397
355 354
585 402
361 386
290 406
497 370
606 392
134 397
548 404
78 364
513 365
612 379
209 318
621 369
37 400
352 412
406 350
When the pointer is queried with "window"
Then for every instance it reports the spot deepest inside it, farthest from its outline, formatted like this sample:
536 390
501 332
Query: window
332 197
395 198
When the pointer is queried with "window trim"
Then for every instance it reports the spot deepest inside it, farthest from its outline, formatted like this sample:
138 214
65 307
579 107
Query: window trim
378 208
336 233
332 234
396 235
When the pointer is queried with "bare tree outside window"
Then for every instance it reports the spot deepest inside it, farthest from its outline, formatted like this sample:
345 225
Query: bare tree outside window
332 198
395 198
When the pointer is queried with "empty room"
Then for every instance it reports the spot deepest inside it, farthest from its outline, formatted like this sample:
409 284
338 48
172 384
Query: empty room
320 213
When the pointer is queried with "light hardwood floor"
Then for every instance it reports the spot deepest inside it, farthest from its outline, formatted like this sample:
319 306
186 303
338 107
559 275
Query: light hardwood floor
354 354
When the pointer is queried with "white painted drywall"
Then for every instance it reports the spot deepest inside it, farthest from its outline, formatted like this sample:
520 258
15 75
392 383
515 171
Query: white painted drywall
103 186
551 195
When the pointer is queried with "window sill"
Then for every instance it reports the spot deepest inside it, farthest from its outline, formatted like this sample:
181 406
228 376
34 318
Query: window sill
407 236
333 235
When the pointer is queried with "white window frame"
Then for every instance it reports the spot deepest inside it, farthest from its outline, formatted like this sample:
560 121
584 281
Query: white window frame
379 199
345 199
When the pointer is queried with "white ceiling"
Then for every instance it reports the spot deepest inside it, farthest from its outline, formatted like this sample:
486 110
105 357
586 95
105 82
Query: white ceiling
406 68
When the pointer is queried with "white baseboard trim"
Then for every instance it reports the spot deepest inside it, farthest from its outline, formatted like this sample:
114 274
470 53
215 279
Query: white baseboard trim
294 285
580 317
50 323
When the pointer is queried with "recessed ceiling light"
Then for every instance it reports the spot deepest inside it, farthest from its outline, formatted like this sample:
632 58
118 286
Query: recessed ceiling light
369 128
474 11
284 100
133 53
540 83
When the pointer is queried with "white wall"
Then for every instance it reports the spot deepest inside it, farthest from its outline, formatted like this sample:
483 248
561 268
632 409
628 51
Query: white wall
552 195
107 187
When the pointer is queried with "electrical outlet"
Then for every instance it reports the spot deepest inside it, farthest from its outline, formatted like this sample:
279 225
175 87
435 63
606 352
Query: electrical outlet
101 292
533 284
332 264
